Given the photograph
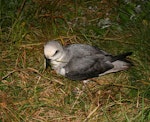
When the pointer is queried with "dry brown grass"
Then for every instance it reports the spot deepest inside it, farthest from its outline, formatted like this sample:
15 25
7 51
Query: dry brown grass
29 93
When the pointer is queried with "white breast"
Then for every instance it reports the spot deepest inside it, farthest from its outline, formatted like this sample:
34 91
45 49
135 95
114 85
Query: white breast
55 64
59 63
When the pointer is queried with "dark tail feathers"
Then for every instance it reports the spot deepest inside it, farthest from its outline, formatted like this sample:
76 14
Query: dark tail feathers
122 57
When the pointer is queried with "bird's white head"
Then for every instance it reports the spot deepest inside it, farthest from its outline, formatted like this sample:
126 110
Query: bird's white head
53 50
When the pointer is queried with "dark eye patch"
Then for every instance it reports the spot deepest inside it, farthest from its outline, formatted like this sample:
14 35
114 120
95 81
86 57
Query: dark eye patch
57 51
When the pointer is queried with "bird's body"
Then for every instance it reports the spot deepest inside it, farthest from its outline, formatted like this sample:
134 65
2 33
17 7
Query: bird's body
81 61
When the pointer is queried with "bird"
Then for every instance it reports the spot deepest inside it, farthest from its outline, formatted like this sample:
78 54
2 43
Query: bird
83 61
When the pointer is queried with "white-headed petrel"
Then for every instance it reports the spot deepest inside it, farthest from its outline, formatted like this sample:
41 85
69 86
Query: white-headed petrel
81 61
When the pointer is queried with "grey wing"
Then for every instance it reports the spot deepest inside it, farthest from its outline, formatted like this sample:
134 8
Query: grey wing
86 67
80 50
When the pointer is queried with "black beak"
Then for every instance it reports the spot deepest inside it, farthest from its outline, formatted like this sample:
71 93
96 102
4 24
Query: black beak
47 63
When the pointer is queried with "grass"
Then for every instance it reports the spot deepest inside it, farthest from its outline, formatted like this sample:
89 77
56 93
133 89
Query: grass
30 94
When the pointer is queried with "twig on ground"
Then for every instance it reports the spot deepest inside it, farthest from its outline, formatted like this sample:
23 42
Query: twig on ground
118 85
9 73
33 70
30 45
91 113
36 71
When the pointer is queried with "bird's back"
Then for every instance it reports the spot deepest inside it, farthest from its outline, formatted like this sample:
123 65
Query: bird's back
81 50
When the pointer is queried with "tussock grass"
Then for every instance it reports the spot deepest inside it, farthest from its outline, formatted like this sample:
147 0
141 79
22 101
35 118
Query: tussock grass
28 93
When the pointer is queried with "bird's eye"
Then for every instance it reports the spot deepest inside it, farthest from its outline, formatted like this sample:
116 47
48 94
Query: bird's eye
57 51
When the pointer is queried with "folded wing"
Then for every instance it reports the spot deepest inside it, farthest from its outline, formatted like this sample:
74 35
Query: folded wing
87 67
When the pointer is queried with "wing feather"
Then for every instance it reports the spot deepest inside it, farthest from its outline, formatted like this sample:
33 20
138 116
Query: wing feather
86 67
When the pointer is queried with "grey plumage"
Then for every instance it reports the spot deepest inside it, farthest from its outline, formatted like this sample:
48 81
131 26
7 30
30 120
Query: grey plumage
81 61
